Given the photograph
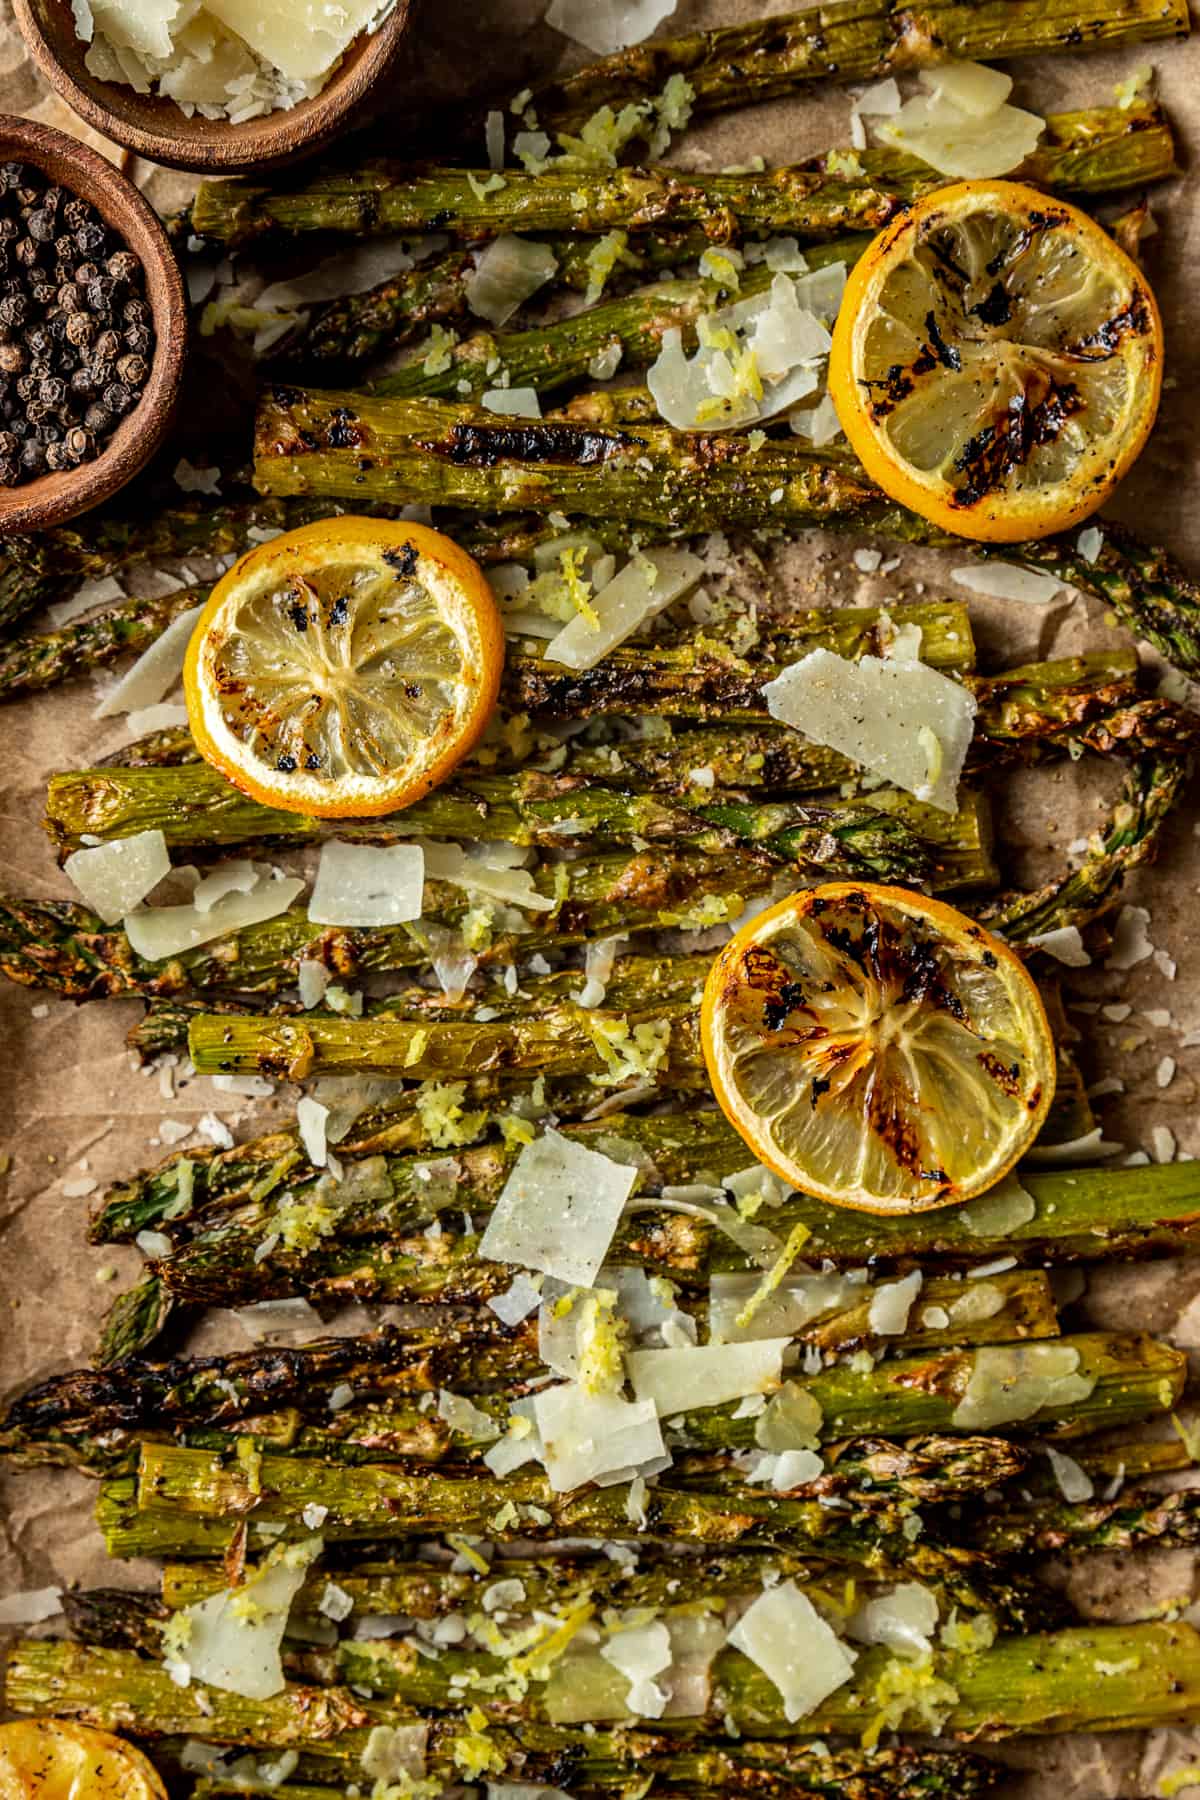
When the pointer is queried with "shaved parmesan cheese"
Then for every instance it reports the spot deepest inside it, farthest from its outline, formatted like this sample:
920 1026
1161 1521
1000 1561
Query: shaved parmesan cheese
643 588
795 1303
641 1653
785 1636
598 967
232 877
93 593
603 26
594 1437
708 1375
114 878
1089 543
310 1120
506 274
156 932
1064 944
1010 1382
1130 943
312 978
232 1640
466 1419
973 87
1008 581
1001 1210
368 884
880 100
559 1209
30 1606
396 1753
903 1620
1074 1482
875 711
791 1420
789 1469
1092 1147
518 402
155 672
947 130
353 270
516 1302
449 862
891 1304
166 716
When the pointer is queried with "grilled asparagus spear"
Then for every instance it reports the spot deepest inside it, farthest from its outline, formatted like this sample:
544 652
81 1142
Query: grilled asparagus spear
64 946
1080 1215
818 199
888 837
117 1690
1103 1678
423 450
736 65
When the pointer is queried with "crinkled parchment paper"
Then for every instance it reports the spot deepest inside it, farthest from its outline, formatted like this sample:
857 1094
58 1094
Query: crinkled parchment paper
76 1110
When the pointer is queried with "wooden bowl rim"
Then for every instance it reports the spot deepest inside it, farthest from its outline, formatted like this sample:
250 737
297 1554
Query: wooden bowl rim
52 499
198 145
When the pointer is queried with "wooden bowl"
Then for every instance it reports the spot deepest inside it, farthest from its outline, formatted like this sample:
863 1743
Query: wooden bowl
157 129
50 499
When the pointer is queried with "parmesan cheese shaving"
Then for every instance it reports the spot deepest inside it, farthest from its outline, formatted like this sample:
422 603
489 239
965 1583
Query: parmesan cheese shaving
232 1640
1074 1482
449 862
785 1636
891 1304
311 1118
595 1437
1064 944
466 1419
396 1753
961 128
559 1209
517 403
232 877
156 932
155 672
115 878
884 714
1008 581
796 1302
506 274
640 1653
1011 1382
368 884
903 1620
644 587
603 26
707 1375
1001 1210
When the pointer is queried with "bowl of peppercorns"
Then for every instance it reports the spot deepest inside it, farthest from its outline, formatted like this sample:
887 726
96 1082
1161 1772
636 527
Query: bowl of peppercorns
93 328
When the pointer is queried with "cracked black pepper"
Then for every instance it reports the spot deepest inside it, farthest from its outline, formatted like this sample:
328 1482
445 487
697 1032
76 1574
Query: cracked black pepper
76 339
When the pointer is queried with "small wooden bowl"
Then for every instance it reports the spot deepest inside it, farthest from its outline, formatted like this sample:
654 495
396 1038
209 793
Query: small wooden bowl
50 499
157 129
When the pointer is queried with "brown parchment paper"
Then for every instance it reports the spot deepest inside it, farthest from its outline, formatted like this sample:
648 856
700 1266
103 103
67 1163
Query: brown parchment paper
73 1109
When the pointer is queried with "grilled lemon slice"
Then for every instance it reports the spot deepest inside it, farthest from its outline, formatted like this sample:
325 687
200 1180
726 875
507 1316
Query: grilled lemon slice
877 1049
345 668
997 361
55 1759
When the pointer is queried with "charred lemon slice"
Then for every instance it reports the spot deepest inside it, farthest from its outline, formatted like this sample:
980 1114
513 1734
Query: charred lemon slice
55 1759
345 668
996 362
877 1049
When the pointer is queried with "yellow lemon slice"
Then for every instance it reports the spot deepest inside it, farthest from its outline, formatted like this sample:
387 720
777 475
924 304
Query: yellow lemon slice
55 1759
997 361
345 668
877 1049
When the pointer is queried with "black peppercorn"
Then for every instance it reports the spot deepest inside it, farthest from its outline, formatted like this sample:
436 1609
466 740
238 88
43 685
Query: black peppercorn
75 213
83 273
33 456
90 239
43 293
14 311
138 339
59 457
27 252
12 359
26 387
40 225
123 265
80 443
133 370
136 312
10 472
97 418
117 397
52 391
9 445
108 346
70 297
